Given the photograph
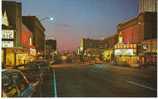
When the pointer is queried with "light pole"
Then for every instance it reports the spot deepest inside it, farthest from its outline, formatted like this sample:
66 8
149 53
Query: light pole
43 19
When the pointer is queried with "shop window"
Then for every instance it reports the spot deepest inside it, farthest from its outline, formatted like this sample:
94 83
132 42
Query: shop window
10 58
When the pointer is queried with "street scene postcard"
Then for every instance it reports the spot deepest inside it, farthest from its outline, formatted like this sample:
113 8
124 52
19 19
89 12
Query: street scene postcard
79 48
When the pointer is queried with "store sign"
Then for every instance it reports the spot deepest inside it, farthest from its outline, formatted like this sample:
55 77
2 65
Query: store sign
7 44
7 34
124 46
124 52
5 19
33 51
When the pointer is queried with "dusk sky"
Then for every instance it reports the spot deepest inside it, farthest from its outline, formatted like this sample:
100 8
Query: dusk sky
74 19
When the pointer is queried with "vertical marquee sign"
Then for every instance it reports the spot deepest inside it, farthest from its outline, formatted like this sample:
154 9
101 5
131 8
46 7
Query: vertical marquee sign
7 35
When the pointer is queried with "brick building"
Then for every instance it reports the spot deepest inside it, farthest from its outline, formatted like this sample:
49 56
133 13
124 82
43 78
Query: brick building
37 29
142 27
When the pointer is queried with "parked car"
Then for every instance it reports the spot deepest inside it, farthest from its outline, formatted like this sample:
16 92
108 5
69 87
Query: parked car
15 84
37 69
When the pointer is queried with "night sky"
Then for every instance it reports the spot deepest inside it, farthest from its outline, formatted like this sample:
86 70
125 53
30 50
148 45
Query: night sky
74 19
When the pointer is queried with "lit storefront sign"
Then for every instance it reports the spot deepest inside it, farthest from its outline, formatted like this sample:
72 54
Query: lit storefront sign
7 44
7 34
33 51
124 52
125 46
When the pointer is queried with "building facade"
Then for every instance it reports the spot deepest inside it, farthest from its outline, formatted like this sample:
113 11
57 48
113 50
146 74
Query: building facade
29 51
97 50
90 49
110 41
147 6
11 32
37 29
142 28
51 49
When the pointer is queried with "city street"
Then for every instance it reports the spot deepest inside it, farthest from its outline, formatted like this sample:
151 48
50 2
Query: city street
79 48
99 80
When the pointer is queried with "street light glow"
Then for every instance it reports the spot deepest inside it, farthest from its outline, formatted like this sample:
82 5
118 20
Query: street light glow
51 18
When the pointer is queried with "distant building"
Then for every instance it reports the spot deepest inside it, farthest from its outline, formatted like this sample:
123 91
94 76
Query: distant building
92 50
109 42
52 44
37 29
91 43
147 6
51 49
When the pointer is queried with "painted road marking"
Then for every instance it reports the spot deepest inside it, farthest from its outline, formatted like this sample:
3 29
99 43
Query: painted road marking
141 85
54 82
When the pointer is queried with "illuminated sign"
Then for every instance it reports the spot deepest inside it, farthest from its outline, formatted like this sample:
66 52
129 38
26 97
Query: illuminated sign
124 46
120 38
124 52
7 34
30 41
7 44
33 51
5 19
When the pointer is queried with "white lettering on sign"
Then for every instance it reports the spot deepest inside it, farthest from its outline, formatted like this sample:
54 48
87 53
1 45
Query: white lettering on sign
7 44
7 34
124 52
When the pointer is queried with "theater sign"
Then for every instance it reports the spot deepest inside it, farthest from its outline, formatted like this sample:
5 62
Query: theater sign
125 49
7 44
125 52
7 38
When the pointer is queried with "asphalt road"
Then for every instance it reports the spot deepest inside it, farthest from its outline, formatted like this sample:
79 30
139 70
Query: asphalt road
98 80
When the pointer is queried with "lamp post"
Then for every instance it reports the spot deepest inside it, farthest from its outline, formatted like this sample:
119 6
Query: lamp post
43 19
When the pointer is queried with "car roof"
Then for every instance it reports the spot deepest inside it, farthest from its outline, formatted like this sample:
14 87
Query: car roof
11 70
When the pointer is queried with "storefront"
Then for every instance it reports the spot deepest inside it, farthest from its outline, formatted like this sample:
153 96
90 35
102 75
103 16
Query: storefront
22 56
32 54
11 55
14 56
126 54
149 51
8 55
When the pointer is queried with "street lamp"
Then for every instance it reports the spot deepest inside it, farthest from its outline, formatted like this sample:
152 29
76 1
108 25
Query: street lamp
43 19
